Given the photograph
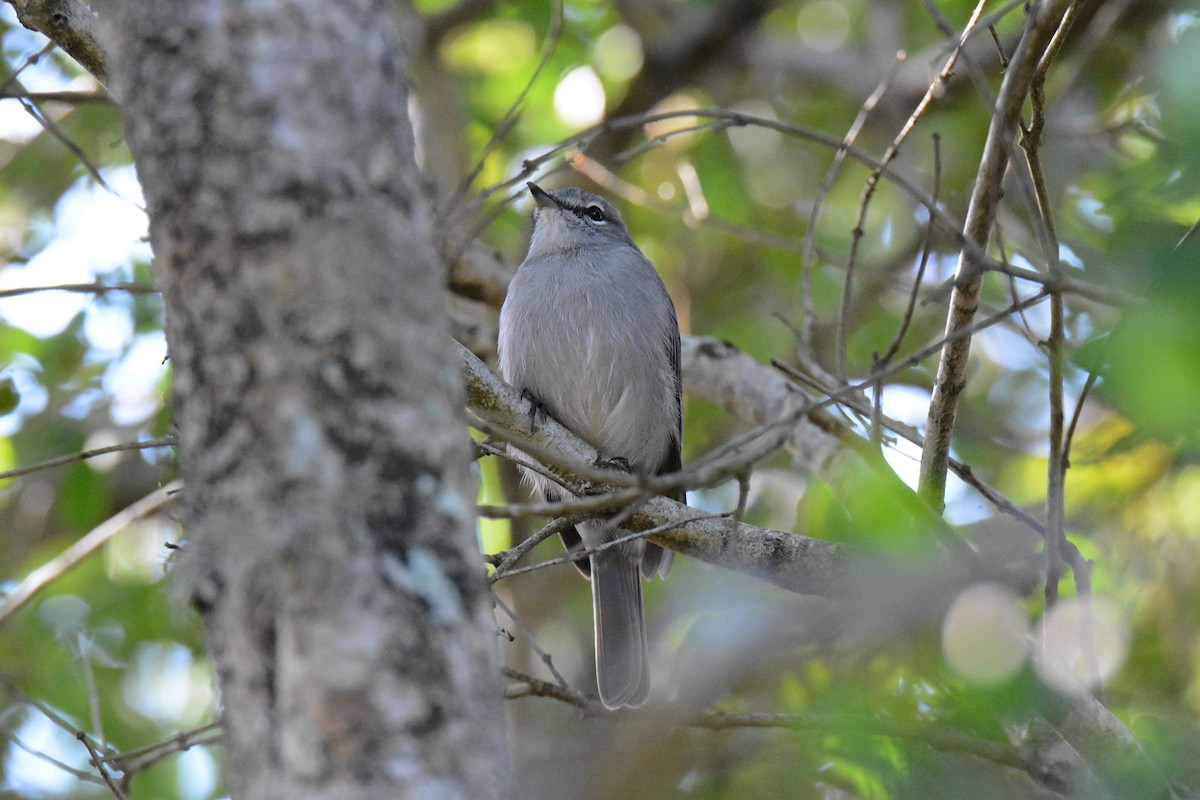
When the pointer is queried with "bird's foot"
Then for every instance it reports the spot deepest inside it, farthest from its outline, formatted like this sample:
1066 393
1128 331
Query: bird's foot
617 462
536 406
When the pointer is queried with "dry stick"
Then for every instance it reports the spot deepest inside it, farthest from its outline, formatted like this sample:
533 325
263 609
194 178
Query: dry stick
504 561
98 762
631 536
67 559
1056 470
580 506
74 98
535 687
1002 249
139 758
1083 393
964 299
29 62
84 288
1024 183
1100 294
575 555
846 394
999 47
873 181
46 711
810 235
926 246
510 116
718 119
26 99
58 133
542 654
58 461
82 775
1055 345
1059 461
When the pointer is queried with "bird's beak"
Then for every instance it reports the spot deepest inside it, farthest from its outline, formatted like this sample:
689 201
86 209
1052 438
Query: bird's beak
541 196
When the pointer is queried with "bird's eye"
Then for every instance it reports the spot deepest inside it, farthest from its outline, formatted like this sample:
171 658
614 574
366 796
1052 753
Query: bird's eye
595 213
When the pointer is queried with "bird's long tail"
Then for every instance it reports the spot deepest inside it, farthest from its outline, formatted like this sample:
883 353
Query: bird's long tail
622 672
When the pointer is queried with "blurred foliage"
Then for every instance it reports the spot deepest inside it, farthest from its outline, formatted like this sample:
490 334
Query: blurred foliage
723 212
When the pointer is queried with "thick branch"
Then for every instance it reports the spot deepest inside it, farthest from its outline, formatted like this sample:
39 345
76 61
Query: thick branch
981 215
71 24
789 560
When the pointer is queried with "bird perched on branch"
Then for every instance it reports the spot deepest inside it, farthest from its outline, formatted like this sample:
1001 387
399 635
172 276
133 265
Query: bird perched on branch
589 332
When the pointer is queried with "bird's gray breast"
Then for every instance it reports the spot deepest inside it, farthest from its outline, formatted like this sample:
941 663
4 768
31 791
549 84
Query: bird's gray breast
589 339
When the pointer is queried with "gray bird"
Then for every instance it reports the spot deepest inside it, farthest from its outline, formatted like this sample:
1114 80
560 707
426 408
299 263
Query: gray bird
588 331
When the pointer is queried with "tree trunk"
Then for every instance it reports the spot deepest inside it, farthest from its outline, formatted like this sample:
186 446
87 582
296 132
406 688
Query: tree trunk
321 437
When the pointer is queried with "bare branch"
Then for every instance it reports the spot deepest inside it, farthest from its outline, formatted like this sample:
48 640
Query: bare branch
71 458
100 97
98 763
71 24
140 758
67 559
1043 21
534 687
83 288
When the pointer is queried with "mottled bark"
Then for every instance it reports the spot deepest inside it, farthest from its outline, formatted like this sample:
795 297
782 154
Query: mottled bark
71 24
321 437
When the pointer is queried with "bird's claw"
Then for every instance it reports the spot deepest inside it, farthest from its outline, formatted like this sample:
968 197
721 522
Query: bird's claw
616 462
535 406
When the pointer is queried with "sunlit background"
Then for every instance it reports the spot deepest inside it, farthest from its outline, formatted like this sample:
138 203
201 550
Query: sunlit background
723 212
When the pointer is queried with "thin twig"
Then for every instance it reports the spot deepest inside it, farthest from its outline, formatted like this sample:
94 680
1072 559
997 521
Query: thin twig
84 288
26 64
140 758
504 560
542 654
926 246
82 775
510 116
950 382
67 559
84 455
46 711
810 236
1055 344
1083 394
100 97
535 687
54 130
589 551
935 88
575 555
98 762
